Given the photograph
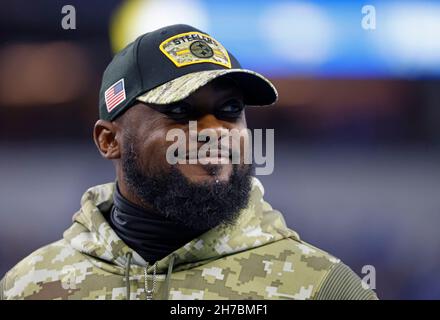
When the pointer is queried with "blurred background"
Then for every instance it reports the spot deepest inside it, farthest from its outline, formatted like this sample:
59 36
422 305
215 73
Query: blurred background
357 134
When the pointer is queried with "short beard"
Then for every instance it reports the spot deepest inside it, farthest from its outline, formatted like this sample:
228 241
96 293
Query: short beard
197 206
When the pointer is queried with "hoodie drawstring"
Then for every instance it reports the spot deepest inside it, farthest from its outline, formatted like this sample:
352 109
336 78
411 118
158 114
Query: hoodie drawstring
127 273
166 292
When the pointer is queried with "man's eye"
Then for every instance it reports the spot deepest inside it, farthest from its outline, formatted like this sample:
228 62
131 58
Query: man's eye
232 108
178 110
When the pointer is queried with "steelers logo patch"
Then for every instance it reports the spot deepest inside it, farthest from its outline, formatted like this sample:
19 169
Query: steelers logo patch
201 49
194 47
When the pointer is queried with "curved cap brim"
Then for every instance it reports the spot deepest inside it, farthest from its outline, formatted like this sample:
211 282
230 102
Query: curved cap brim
257 90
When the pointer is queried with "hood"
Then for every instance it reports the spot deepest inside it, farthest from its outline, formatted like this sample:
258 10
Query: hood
258 224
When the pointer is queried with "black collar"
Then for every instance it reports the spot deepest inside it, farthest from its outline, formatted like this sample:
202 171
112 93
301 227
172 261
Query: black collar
146 232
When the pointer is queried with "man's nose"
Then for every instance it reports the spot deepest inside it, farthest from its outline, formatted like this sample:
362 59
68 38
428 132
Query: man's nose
208 125
209 121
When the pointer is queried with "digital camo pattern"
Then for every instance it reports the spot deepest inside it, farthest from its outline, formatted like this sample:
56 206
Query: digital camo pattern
194 47
180 88
258 258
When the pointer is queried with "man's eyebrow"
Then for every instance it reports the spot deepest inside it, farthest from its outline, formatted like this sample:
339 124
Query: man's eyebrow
227 99
234 92
232 99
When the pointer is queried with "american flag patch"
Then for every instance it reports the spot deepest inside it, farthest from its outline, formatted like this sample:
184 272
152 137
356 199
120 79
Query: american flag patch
114 95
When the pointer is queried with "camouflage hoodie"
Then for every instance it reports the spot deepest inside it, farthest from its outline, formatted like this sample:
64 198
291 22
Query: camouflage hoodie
257 258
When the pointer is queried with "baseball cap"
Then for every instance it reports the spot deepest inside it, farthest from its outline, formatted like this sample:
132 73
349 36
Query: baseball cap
169 64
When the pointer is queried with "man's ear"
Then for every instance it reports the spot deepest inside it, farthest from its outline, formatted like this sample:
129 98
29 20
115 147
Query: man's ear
104 134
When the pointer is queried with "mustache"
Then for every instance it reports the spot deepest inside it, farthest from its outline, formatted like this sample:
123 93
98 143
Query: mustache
219 153
197 153
206 149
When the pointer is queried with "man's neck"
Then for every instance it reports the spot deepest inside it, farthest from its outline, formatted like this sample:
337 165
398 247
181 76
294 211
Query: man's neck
147 232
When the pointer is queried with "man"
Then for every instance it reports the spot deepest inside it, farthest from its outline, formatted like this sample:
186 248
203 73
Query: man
180 230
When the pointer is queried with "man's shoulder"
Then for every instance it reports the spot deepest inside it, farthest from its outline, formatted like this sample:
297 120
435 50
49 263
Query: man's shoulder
303 252
287 268
333 280
46 264
299 269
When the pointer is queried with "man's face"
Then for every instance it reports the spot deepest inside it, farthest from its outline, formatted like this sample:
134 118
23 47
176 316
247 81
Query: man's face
198 195
216 106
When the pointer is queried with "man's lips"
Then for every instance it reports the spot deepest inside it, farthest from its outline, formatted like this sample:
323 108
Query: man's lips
215 155
210 154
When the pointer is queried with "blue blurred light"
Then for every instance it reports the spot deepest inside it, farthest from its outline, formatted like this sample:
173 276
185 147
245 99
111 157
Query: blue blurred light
326 38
